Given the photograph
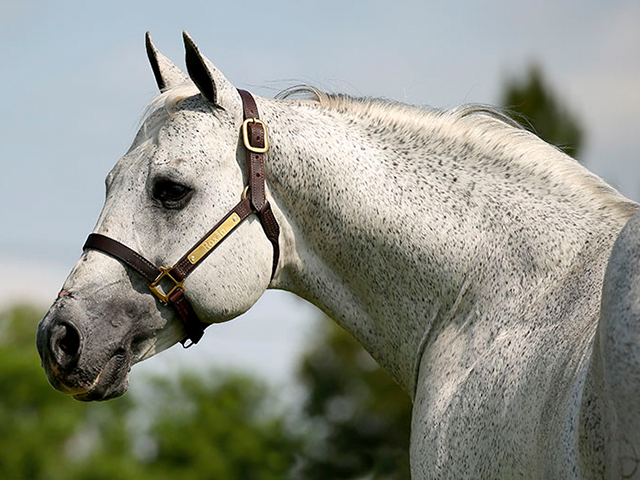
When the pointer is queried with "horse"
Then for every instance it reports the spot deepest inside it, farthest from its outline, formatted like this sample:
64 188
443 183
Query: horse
465 254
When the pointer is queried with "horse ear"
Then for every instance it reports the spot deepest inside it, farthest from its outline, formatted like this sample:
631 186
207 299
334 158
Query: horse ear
209 80
166 73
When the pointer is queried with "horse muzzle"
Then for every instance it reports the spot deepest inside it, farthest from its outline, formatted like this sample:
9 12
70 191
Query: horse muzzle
76 364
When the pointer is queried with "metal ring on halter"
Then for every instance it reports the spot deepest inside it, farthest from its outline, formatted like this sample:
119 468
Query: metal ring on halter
245 193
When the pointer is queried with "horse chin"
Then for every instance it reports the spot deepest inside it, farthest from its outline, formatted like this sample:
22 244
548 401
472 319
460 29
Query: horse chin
111 382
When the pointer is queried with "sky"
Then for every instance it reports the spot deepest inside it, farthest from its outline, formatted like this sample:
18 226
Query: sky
75 82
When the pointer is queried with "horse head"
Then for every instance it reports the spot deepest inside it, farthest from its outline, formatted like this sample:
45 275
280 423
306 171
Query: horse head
185 169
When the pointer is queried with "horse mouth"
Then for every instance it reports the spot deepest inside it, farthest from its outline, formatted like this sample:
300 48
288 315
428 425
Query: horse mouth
111 382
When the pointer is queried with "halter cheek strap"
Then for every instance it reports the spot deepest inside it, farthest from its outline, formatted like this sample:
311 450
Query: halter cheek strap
167 283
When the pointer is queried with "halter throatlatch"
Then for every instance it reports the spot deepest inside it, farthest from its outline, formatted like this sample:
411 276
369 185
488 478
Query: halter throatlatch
166 283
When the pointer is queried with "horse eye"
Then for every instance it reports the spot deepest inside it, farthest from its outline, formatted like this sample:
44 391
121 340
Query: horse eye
170 193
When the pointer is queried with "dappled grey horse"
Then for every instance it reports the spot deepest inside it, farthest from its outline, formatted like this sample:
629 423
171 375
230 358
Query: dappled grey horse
465 254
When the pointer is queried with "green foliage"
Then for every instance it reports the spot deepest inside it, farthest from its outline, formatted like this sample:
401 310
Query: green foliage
364 415
532 102
208 428
214 426
36 422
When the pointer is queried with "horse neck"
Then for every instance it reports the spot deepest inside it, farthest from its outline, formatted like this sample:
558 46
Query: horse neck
397 229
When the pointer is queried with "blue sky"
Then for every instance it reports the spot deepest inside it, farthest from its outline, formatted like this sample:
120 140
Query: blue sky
76 80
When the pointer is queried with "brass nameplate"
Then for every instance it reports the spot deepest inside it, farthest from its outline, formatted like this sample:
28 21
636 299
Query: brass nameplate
216 236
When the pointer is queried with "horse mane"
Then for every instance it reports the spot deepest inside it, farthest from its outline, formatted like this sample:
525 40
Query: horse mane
488 129
396 112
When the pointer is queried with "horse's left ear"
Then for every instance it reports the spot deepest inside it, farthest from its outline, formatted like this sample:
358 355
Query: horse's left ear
212 84
166 73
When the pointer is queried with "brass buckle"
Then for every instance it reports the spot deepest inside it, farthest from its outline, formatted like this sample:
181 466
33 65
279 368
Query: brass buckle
245 136
155 285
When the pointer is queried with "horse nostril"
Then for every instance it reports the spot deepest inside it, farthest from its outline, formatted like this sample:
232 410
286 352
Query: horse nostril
65 342
70 342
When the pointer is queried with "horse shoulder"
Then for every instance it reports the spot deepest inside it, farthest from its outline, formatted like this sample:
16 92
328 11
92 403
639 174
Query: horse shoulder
617 354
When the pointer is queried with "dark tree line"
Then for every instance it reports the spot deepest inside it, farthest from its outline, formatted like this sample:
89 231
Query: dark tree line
532 102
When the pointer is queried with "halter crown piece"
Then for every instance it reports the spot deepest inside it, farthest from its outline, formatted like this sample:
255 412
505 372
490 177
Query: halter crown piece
167 283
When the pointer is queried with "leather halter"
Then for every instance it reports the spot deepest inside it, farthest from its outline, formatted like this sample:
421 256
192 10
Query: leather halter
167 283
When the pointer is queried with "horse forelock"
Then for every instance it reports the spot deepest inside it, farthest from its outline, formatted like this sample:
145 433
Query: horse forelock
170 99
162 107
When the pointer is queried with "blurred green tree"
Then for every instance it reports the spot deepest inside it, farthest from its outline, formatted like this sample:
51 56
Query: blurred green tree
532 102
198 427
37 424
208 427
361 417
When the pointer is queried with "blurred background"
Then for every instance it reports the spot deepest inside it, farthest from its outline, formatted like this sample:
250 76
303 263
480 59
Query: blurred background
279 392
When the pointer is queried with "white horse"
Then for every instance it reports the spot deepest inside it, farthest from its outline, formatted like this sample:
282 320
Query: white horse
465 254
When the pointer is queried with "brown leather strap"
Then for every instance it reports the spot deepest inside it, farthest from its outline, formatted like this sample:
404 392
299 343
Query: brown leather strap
272 231
256 176
254 161
193 326
123 253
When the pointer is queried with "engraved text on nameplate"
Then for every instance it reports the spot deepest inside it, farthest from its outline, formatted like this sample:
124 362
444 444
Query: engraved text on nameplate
212 240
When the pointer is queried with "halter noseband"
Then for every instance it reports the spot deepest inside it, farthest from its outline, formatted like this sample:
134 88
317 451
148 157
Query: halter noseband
166 283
